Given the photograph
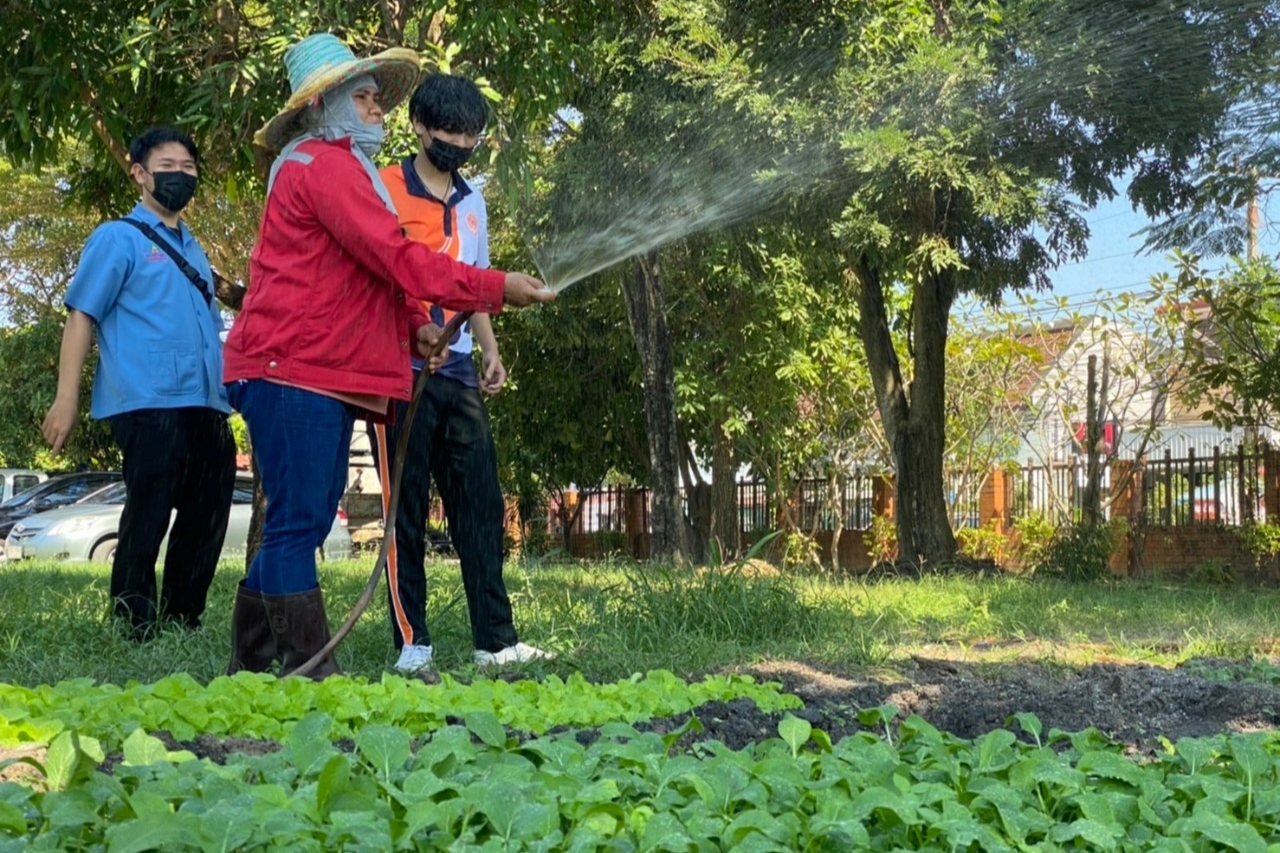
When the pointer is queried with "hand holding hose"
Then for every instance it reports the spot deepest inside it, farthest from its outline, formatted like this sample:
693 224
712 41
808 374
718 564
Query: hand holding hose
522 290
433 346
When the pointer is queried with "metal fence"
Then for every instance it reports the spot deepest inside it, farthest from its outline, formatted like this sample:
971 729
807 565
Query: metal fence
855 504
1214 489
606 509
1055 491
1217 488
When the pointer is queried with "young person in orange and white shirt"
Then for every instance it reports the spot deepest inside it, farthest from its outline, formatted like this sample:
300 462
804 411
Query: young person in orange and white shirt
451 441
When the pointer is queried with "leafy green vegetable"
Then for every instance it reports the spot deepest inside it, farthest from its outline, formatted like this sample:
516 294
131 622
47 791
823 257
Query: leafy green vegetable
261 706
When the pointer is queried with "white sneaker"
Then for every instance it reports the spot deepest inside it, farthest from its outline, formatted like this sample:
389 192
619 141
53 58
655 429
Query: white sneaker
414 658
519 653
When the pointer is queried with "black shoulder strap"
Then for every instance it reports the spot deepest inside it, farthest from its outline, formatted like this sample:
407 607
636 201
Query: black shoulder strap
183 264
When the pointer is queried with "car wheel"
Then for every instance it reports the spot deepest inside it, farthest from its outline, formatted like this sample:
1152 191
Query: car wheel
104 551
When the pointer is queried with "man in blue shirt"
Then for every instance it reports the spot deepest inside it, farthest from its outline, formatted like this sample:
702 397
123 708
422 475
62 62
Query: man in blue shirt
159 385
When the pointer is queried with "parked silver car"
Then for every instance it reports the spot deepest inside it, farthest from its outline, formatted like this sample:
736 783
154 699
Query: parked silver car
87 530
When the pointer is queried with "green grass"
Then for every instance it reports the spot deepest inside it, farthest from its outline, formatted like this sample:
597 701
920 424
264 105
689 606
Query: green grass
609 620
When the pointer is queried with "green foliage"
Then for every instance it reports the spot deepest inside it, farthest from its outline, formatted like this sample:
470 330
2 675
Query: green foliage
40 243
1262 538
778 371
881 540
572 411
982 543
800 550
1258 671
1082 553
1213 571
1228 326
261 706
100 75
239 431
30 352
1035 534
947 165
471 787
989 361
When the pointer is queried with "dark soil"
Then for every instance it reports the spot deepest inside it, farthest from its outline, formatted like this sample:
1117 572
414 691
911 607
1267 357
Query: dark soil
216 749
1134 704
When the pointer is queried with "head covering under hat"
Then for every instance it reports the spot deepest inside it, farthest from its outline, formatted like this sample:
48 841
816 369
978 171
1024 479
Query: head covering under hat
320 62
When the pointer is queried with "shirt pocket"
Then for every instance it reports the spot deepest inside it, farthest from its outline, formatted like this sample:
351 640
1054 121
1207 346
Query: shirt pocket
175 372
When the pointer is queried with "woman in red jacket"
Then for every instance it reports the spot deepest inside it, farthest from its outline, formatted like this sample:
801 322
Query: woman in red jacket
325 333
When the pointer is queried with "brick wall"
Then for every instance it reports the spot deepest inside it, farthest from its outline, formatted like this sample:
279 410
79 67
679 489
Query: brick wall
1177 552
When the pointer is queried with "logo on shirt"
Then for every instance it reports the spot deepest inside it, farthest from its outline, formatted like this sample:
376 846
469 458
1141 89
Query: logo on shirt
473 222
155 254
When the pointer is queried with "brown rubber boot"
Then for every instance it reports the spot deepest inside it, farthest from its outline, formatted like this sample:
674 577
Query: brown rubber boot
301 629
253 646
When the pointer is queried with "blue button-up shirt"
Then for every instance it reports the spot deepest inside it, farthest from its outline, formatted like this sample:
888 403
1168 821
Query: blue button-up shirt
159 342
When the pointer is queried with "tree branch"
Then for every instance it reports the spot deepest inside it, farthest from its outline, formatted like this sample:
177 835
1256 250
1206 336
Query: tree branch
100 129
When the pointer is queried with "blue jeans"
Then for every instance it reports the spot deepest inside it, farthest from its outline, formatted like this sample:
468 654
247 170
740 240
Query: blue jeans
302 444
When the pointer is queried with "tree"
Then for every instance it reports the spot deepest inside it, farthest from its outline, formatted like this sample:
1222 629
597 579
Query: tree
961 130
1239 168
1098 391
600 170
573 412
1228 329
989 366
215 70
40 243
767 377
29 352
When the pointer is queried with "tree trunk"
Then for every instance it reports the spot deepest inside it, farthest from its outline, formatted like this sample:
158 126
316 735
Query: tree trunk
914 416
726 526
698 527
647 315
697 491
569 521
835 505
1091 508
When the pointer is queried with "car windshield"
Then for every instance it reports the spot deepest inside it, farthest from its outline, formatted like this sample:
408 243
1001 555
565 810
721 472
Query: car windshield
113 494
21 497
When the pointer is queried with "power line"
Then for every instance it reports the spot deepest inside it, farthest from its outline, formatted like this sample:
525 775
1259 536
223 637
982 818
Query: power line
1091 260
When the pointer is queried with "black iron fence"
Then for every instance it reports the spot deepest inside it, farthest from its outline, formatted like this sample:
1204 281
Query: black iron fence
1205 489
620 508
1055 491
1223 487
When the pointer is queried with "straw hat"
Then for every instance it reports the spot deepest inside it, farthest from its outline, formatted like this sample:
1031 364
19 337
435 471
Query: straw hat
321 62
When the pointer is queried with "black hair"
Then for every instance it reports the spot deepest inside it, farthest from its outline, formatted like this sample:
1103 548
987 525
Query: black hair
140 149
449 103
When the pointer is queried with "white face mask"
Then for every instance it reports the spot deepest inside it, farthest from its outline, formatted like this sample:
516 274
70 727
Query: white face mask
337 117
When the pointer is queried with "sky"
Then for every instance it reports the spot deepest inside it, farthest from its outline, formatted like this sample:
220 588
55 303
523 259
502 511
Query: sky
1116 261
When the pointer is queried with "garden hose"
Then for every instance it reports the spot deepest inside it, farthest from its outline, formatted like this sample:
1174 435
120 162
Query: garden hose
389 525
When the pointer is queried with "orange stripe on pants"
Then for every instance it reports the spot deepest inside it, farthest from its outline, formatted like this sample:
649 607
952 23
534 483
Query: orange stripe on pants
393 565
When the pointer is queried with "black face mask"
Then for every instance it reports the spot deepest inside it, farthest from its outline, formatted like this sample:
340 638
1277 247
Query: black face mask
173 189
446 156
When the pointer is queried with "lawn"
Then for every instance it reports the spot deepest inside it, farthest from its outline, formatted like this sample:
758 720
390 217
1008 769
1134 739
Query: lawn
609 620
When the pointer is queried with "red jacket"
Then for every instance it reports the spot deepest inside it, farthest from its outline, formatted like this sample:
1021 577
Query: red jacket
328 279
